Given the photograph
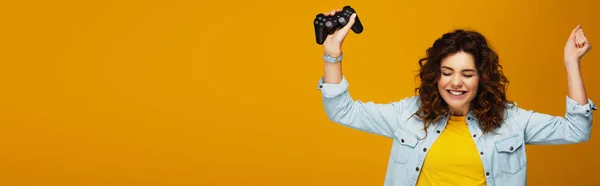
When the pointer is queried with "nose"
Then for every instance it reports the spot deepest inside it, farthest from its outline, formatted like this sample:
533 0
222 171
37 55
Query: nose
457 82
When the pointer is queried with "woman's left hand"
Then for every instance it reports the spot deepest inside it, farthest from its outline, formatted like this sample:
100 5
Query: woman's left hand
577 46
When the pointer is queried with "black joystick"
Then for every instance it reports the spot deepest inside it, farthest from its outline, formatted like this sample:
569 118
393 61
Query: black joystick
325 25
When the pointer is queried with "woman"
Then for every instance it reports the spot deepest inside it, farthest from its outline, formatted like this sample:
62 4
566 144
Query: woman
460 129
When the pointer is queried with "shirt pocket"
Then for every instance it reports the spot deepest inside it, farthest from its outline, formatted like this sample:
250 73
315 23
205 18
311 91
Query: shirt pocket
511 154
406 145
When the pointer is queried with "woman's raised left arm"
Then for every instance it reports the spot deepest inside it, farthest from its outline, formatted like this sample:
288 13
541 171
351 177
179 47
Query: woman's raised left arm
577 46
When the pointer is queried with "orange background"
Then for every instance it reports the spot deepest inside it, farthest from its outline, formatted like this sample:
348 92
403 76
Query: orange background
225 92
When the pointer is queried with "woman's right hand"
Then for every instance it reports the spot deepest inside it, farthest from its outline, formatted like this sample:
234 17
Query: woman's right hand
333 43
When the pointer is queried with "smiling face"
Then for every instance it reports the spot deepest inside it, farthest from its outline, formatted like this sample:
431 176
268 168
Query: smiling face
458 82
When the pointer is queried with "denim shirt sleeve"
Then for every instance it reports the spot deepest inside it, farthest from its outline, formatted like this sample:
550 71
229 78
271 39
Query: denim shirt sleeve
574 127
370 117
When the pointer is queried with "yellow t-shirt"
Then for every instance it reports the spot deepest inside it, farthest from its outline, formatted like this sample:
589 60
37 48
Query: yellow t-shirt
453 158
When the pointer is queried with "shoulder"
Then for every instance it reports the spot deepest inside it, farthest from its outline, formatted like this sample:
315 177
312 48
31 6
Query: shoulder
410 104
515 113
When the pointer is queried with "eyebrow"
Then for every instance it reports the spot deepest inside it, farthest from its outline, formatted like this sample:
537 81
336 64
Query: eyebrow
465 70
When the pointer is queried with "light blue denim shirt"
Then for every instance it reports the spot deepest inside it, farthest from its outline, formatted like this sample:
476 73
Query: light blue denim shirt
502 154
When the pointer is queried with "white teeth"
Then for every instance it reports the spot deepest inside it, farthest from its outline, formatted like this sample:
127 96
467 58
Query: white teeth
458 93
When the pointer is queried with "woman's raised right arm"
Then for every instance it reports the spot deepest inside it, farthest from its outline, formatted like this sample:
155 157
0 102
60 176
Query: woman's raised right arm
380 119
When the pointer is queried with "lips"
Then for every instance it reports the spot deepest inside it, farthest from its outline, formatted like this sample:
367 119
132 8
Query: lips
457 92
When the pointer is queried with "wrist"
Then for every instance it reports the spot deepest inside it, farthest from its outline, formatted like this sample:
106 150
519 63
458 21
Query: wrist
336 53
571 62
331 59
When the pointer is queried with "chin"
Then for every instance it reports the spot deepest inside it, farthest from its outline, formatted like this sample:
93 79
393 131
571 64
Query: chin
457 103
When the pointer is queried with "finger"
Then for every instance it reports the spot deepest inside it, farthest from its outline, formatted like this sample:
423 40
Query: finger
586 45
338 10
580 41
580 38
330 12
579 33
343 32
585 41
572 36
346 28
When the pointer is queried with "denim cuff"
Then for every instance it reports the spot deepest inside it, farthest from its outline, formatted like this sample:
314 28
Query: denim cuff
574 106
331 90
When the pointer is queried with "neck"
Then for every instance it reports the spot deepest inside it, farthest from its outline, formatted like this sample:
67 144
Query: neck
462 111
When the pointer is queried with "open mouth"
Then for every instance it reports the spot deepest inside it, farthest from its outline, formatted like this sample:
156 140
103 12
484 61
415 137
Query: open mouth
456 93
